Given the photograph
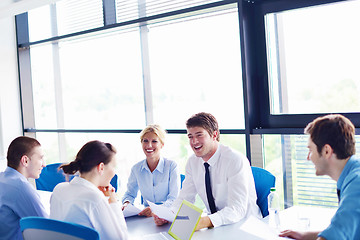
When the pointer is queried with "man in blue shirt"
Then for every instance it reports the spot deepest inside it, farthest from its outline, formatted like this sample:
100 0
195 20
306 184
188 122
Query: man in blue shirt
331 149
18 198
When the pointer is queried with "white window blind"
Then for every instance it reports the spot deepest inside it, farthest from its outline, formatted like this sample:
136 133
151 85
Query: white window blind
78 15
127 10
310 189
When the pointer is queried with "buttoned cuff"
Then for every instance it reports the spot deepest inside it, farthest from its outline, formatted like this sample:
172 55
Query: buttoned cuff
215 219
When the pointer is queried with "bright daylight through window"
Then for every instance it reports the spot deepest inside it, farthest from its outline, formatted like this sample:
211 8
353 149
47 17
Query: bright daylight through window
313 59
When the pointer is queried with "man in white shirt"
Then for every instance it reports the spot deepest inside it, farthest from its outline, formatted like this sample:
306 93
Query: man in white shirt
231 194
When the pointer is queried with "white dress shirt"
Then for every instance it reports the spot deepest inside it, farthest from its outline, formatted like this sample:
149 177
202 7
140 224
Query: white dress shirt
232 185
83 203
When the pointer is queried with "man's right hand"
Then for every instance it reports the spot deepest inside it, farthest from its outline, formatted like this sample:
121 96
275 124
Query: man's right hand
159 221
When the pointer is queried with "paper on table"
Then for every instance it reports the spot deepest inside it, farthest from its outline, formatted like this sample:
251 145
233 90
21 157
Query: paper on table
252 226
162 212
131 210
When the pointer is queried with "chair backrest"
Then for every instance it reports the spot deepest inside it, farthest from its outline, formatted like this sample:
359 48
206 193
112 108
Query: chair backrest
51 175
39 228
264 180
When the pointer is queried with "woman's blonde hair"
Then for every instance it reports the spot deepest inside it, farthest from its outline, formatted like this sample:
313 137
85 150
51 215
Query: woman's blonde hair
154 128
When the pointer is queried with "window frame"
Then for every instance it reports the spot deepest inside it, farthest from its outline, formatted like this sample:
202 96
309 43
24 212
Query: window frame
109 16
258 119
262 121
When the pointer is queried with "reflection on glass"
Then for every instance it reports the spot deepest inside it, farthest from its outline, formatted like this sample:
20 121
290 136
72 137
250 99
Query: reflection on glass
313 59
195 66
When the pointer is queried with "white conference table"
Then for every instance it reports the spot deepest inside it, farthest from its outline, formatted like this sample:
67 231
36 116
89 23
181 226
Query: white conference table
140 226
319 219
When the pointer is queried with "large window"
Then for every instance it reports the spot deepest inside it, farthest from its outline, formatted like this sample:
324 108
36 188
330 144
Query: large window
105 69
107 84
194 63
311 55
286 158
97 85
313 58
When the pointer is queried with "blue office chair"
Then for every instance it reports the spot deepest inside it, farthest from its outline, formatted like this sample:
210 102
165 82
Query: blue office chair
182 178
39 228
264 180
51 175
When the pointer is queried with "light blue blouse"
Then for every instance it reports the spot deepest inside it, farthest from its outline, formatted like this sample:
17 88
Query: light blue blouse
346 222
160 186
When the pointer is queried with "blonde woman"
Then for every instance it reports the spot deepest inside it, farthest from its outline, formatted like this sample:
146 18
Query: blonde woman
156 177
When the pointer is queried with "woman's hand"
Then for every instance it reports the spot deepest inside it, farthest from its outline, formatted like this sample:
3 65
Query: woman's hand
159 221
146 212
109 191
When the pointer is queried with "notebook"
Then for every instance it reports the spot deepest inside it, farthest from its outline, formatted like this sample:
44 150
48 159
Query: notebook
183 226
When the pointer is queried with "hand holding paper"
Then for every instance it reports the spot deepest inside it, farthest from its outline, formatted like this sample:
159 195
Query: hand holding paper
131 210
162 212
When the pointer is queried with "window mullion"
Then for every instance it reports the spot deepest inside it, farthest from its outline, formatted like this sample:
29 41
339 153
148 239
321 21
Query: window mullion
59 105
144 42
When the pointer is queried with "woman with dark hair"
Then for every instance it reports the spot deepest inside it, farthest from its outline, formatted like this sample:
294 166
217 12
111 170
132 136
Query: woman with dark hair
89 199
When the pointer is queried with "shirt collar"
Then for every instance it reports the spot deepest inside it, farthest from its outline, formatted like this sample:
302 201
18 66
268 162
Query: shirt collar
159 167
214 158
15 172
345 171
86 183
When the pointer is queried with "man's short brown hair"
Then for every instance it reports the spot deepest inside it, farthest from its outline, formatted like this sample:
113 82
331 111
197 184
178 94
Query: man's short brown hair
19 147
335 130
206 121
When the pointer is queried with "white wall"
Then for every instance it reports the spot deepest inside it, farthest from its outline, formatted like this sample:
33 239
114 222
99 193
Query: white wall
10 111
10 108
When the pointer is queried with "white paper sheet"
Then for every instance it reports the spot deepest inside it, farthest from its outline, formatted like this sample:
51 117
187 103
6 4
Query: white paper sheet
260 229
162 212
131 210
